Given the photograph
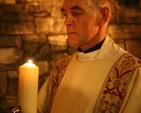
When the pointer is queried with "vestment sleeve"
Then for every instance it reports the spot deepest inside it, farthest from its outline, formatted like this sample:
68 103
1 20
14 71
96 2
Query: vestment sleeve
132 102
47 92
44 95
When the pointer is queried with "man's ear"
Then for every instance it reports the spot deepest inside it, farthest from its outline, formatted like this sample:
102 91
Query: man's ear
105 15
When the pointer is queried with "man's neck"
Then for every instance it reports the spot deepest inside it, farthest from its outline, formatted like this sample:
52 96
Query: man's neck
94 48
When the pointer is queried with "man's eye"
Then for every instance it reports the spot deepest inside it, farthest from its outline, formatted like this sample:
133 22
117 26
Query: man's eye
64 14
76 13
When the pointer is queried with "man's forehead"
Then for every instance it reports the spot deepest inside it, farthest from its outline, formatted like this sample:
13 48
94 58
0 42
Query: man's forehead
73 4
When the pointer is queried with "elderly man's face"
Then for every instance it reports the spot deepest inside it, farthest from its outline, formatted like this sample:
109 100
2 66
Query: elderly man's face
81 21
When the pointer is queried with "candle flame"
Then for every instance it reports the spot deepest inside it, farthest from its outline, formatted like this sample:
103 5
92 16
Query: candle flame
30 62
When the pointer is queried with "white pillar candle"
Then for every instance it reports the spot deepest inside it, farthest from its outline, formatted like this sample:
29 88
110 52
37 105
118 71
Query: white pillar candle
28 87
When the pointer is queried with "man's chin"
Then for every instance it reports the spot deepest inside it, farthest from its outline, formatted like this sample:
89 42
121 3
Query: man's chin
72 44
72 41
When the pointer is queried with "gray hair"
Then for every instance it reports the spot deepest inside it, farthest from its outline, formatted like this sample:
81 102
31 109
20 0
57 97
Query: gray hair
96 5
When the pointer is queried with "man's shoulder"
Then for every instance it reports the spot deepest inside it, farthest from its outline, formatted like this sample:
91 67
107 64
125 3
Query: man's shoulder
64 61
129 59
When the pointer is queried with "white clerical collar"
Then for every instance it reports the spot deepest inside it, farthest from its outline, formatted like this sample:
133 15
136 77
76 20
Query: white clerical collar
108 49
86 56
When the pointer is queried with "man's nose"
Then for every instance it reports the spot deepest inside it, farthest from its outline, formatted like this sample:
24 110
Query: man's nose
68 20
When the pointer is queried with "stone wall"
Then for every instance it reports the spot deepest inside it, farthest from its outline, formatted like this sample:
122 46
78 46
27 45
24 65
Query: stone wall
36 31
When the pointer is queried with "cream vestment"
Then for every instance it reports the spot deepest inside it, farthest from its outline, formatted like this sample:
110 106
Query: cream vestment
94 82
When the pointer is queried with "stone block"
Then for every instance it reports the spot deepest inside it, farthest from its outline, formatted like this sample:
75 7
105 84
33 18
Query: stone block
50 25
43 52
44 25
56 12
134 47
8 55
58 42
41 38
132 15
52 2
6 8
124 31
9 41
58 26
29 8
43 67
58 39
18 23
35 46
39 8
57 48
42 14
12 86
3 82
118 14
5 67
12 100
12 74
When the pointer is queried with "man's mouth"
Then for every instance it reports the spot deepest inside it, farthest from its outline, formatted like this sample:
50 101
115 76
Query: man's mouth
72 33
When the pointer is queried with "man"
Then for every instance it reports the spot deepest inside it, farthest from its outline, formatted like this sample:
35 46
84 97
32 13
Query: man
101 77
